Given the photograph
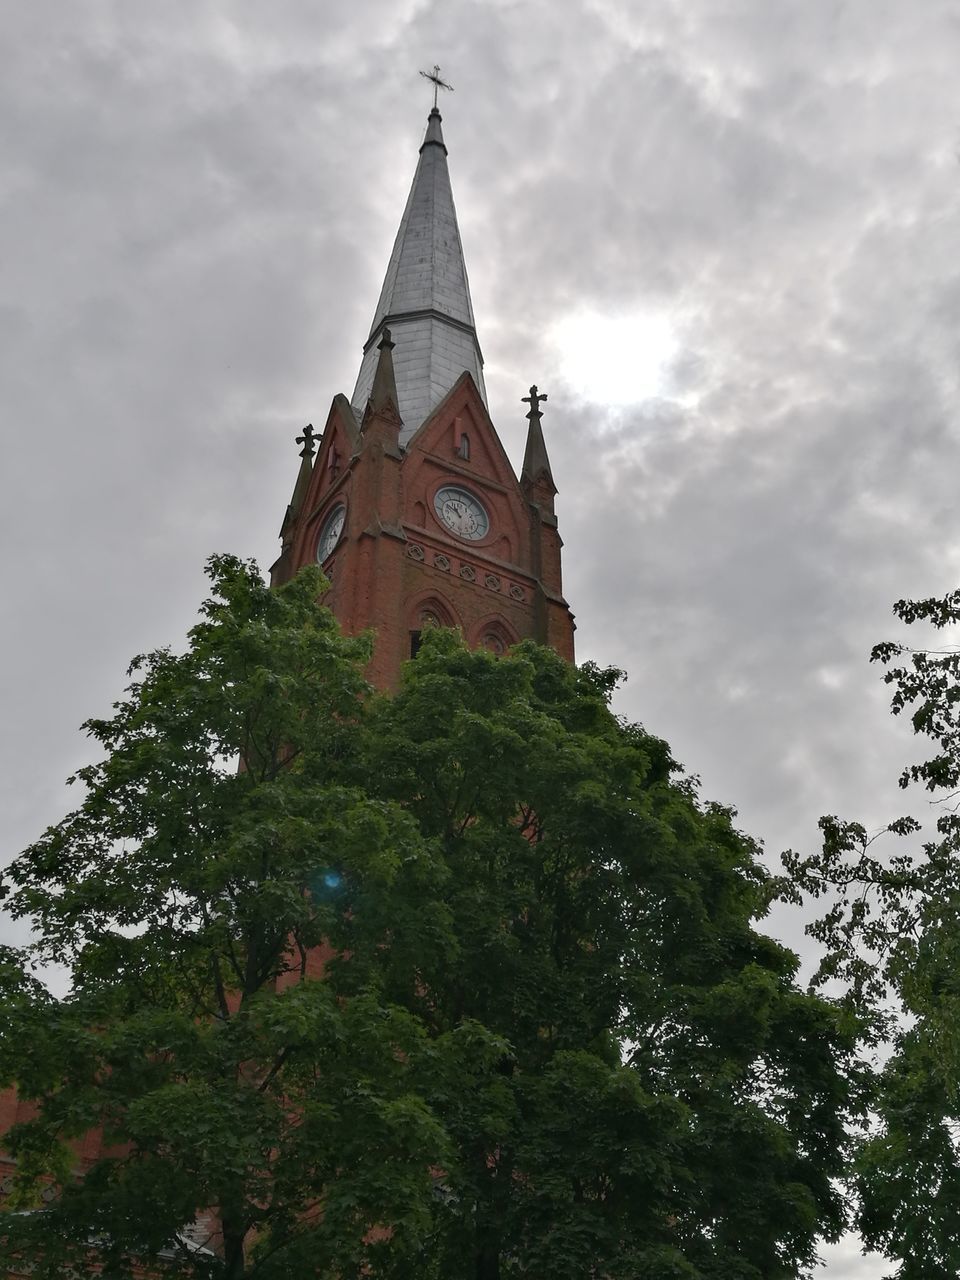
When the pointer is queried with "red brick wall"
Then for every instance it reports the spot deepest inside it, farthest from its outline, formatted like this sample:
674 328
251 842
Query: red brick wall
395 559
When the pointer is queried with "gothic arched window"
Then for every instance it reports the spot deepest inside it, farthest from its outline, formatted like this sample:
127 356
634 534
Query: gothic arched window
426 613
495 635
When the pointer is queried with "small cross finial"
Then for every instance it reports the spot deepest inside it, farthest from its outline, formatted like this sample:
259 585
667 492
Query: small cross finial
307 440
534 400
438 84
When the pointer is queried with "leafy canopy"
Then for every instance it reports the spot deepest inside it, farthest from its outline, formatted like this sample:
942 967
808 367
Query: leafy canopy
891 935
462 982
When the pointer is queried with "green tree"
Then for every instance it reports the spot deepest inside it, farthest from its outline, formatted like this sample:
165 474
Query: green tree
210 858
547 1038
891 937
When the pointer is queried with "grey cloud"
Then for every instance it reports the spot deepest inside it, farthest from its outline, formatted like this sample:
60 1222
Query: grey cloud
197 205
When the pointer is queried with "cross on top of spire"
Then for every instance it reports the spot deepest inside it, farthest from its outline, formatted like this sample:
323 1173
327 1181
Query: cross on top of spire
534 400
536 476
307 440
438 84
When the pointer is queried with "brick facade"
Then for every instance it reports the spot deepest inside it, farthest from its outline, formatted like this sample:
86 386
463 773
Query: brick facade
396 567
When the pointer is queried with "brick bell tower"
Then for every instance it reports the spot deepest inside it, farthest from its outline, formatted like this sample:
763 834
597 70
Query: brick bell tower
408 500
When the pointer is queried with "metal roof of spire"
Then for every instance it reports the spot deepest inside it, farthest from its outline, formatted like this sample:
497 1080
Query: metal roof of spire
425 299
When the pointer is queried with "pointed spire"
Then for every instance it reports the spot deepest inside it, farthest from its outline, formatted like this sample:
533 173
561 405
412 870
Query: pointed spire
383 395
536 463
434 133
307 439
425 299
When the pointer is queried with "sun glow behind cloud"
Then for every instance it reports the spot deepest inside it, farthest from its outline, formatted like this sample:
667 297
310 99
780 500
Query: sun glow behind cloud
616 360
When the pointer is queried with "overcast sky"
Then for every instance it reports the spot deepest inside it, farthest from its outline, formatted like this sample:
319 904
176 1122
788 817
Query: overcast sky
721 234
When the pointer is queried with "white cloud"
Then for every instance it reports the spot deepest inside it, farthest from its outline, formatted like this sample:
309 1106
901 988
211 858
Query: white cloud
615 360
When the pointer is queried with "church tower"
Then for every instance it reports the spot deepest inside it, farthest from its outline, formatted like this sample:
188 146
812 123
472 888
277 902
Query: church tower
408 499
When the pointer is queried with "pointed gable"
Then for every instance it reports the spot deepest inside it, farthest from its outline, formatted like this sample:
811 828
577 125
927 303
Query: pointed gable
435 457
337 446
462 412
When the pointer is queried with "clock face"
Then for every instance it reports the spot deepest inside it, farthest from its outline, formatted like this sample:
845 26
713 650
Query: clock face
331 531
461 513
